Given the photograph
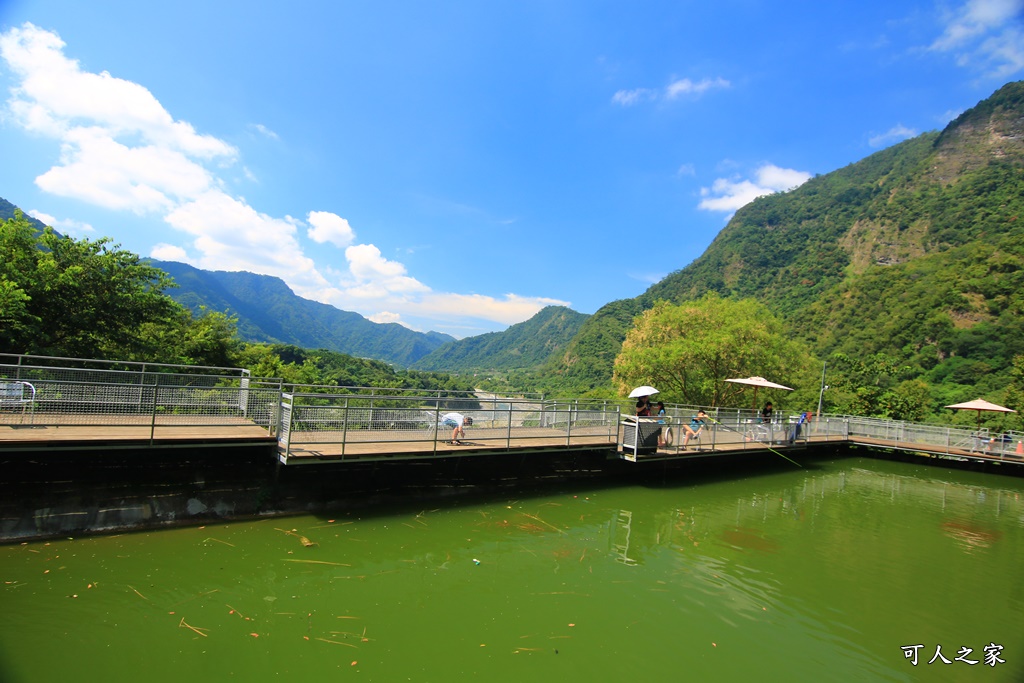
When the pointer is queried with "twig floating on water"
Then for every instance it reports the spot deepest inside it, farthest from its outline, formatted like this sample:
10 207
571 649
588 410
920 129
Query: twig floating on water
333 564
561 531
199 630
218 541
138 593
336 642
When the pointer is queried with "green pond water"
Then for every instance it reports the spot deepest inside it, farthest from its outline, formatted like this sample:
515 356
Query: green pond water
827 573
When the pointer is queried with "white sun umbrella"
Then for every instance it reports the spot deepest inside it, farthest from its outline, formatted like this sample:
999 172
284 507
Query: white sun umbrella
980 405
643 391
758 382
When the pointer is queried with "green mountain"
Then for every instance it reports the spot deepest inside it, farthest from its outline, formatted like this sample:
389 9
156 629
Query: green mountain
523 346
268 311
7 212
916 251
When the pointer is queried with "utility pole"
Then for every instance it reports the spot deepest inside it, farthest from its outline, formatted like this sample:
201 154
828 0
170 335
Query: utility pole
821 394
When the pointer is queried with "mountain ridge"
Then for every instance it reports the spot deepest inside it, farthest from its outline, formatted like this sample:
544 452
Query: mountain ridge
269 311
936 215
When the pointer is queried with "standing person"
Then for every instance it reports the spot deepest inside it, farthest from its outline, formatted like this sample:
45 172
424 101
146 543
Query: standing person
692 430
458 422
766 412
643 406
805 418
662 419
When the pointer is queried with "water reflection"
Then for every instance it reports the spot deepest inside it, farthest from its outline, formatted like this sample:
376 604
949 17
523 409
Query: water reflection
819 574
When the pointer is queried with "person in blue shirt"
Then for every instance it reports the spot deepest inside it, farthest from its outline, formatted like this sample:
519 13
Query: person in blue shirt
692 430
804 418
663 432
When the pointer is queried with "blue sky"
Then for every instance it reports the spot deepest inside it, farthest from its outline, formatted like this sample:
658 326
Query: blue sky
456 166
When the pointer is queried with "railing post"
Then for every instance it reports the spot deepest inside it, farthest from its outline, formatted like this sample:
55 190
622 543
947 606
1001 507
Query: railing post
568 422
344 428
437 419
508 433
152 421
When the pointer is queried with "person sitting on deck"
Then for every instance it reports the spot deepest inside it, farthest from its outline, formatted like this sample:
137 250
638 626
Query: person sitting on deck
766 412
457 422
692 430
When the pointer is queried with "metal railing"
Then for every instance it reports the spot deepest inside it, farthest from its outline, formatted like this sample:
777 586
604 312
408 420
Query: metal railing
95 393
35 368
417 423
96 404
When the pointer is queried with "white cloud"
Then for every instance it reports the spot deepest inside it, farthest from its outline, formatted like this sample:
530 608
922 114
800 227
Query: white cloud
98 169
686 170
985 35
631 97
674 90
508 310
168 252
386 317
264 131
374 276
122 150
949 116
685 86
895 134
65 226
729 194
330 227
231 235
55 94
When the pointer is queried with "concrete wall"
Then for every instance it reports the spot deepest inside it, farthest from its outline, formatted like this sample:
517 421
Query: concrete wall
58 494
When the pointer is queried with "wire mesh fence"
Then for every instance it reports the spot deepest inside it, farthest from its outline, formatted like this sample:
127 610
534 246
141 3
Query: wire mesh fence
361 423
54 392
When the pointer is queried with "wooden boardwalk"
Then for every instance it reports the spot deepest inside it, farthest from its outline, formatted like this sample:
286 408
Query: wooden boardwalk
132 432
177 431
398 444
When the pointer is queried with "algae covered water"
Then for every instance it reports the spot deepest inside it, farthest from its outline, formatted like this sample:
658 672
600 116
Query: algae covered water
847 570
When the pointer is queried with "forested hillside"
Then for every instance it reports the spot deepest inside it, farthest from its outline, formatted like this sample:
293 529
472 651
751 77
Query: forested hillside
268 311
523 346
915 253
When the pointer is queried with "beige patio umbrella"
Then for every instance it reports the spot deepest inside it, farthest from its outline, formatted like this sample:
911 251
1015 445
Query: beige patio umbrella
979 405
758 382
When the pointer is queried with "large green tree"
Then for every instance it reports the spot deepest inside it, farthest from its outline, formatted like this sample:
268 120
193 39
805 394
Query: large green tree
688 351
82 298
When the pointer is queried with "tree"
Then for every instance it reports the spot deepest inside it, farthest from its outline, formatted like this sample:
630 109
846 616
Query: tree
82 298
689 350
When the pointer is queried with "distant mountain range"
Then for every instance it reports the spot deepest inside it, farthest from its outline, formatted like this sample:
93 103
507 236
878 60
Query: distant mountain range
269 311
916 251
526 345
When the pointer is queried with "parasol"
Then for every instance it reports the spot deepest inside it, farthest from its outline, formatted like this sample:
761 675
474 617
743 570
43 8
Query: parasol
643 391
980 405
758 382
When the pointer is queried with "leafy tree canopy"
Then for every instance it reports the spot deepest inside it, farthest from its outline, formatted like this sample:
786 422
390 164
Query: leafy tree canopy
688 351
82 298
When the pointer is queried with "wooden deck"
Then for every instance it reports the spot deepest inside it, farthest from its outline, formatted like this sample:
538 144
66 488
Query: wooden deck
132 432
398 444
177 431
